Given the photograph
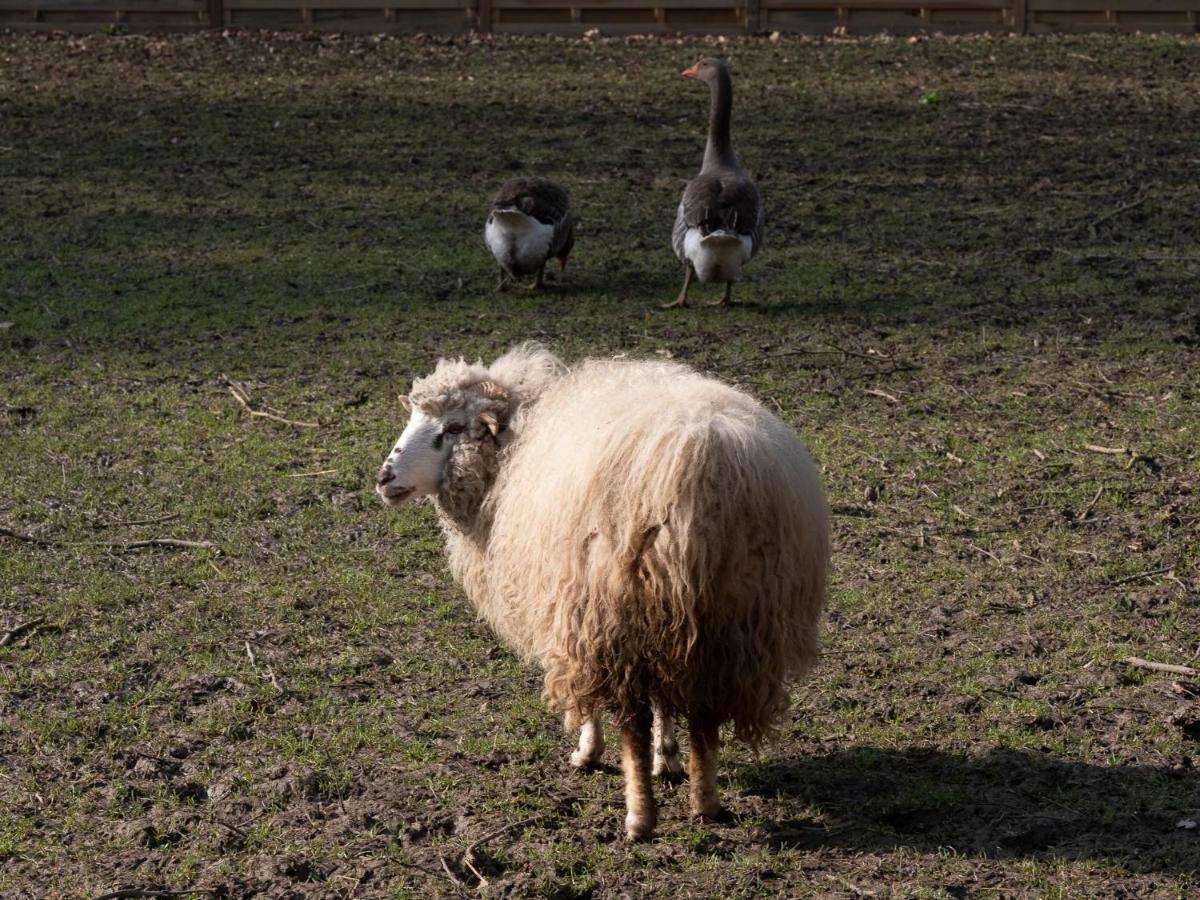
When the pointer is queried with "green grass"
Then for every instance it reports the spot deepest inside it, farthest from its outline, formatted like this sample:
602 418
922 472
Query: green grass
954 299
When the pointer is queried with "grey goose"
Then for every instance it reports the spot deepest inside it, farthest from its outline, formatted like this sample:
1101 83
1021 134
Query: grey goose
718 226
530 221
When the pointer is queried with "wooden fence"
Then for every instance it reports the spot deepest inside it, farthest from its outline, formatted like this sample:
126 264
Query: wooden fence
610 16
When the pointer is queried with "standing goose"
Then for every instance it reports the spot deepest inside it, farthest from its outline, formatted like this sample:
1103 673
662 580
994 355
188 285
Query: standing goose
719 223
530 222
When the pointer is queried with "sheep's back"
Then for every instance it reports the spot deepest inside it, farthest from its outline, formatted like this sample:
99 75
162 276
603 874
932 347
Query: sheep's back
658 534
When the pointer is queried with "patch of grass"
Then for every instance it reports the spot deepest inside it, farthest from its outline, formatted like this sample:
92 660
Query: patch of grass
955 298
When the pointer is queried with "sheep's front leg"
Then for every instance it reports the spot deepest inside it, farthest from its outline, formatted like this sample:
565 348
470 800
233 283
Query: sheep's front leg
591 743
704 735
640 814
666 749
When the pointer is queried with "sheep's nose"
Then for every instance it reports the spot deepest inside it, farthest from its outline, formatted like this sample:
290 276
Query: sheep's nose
385 475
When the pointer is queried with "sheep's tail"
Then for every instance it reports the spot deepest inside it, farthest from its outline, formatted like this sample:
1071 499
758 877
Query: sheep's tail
703 588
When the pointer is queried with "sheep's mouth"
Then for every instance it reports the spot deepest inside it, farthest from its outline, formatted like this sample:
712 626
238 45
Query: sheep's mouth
394 496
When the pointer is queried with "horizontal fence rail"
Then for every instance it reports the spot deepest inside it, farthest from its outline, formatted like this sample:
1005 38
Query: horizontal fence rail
609 16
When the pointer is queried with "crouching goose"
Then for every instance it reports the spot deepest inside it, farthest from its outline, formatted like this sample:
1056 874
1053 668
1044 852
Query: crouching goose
530 222
719 223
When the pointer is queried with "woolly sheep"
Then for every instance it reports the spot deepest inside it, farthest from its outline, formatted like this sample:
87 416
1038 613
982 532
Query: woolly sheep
655 539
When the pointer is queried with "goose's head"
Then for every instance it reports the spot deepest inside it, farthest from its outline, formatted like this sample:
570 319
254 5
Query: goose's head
707 69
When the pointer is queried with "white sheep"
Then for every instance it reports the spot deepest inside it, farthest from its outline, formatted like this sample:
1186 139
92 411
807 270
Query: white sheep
655 539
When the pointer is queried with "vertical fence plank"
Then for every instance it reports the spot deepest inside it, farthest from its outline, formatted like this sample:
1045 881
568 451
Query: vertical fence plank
216 14
485 15
1020 17
753 20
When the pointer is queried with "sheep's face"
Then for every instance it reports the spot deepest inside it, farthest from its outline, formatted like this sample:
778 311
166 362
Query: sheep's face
414 467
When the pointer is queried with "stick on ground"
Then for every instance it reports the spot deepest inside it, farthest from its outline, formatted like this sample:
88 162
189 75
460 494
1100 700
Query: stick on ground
1138 663
17 630
241 398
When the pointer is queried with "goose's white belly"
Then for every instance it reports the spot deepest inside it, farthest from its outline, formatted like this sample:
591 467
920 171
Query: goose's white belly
717 256
519 242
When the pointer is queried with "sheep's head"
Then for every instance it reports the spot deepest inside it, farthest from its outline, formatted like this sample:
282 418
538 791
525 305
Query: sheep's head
449 446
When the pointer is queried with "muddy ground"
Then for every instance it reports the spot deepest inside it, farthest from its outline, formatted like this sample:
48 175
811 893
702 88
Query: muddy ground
977 301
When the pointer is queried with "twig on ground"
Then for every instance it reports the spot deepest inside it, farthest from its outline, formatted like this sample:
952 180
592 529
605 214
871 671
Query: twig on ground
111 545
986 552
875 392
875 355
483 882
274 683
27 538
1152 572
354 287
17 630
270 673
1123 208
312 474
1139 663
799 351
152 892
453 878
1088 509
245 403
1133 457
154 521
162 542
468 854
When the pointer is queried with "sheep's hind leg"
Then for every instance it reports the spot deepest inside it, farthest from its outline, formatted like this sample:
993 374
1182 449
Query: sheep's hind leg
666 749
704 734
640 814
591 743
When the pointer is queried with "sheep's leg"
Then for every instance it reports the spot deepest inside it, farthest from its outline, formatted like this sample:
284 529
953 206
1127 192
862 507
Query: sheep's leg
591 743
704 734
500 282
681 300
640 814
540 283
666 749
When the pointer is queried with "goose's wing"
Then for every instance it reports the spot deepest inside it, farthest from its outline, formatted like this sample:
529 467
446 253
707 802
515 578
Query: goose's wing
720 200
544 200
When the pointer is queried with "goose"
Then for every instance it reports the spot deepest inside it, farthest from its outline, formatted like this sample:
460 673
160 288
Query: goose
719 223
530 221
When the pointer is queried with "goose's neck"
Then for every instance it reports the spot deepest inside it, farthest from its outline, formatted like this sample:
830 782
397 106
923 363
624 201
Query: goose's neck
719 149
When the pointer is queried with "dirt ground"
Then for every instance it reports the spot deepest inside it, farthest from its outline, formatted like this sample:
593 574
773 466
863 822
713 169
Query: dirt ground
978 302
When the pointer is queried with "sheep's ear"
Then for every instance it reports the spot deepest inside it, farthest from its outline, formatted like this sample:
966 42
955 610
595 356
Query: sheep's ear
405 402
491 422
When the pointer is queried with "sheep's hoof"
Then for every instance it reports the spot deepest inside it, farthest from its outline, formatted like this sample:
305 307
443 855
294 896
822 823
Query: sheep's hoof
669 767
707 809
582 760
638 828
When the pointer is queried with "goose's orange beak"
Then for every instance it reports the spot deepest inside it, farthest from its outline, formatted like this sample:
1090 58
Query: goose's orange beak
693 72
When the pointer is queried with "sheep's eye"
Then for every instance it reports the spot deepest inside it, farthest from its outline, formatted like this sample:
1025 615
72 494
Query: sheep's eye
453 429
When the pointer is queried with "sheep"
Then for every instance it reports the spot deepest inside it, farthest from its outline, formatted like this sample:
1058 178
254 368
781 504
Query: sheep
656 540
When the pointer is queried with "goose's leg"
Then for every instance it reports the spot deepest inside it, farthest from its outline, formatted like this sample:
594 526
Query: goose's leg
681 300
727 300
666 748
591 743
640 814
703 732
